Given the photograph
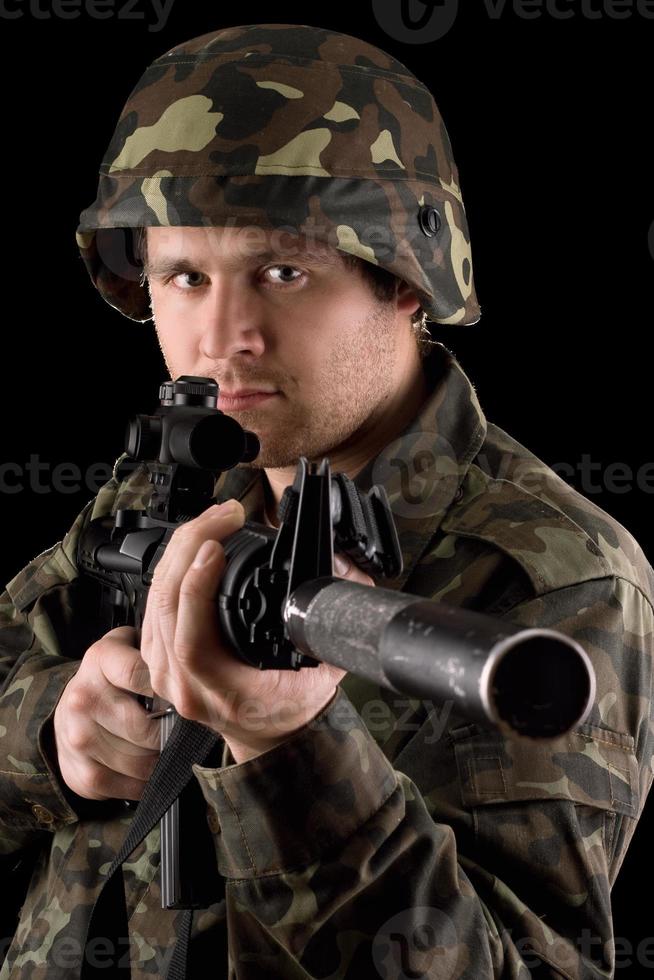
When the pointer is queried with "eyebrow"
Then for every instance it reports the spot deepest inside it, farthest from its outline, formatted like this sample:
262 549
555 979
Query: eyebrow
160 268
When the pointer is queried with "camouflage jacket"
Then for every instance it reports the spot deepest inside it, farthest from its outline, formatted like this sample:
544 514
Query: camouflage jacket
402 840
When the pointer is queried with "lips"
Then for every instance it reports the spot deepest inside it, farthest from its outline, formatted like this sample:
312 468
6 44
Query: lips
232 403
242 392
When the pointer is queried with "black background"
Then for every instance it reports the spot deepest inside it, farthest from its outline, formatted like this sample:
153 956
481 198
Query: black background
550 121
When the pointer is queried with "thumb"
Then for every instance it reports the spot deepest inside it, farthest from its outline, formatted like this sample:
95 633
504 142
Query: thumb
344 567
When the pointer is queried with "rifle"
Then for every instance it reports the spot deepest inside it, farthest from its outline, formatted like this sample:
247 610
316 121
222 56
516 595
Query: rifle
280 605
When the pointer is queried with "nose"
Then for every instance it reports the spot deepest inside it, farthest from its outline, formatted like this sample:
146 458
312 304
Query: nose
231 321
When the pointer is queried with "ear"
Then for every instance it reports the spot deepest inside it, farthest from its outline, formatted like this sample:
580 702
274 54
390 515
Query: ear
407 301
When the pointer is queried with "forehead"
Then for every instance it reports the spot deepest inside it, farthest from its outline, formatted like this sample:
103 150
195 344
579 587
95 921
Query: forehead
247 243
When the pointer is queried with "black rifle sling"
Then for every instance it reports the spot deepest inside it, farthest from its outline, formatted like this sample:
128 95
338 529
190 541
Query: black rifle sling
188 743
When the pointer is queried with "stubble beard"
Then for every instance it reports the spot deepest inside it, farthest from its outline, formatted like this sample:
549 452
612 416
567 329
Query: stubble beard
349 387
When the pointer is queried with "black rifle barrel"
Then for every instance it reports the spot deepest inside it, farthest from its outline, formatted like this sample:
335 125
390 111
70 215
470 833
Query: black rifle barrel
533 682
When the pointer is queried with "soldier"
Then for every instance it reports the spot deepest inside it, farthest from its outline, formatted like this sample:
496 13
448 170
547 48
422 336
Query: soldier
355 834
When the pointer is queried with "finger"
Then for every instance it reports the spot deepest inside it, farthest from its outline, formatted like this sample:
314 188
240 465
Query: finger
219 523
94 781
120 662
158 643
121 716
122 757
203 520
345 568
115 763
198 629
194 531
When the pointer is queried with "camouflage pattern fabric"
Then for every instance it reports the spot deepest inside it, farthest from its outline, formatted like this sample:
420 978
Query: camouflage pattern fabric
286 127
391 837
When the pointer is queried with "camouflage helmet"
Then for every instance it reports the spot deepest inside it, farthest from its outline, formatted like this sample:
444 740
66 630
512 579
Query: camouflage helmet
290 127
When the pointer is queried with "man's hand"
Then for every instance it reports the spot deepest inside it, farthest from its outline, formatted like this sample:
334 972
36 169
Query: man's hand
107 744
191 664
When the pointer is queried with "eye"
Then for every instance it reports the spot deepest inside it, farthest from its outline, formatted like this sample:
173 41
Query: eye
286 270
188 287
289 274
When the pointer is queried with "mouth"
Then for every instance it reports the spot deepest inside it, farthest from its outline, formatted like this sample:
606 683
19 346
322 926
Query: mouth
233 403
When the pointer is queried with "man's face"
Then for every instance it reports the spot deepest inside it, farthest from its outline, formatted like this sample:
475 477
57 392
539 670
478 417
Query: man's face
267 309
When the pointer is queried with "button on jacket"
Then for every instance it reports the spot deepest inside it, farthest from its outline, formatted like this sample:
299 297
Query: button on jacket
391 835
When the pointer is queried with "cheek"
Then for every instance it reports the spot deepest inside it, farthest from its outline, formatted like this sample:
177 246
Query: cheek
170 308
178 344
327 326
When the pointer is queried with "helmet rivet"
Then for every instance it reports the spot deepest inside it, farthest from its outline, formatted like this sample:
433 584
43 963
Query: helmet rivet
430 220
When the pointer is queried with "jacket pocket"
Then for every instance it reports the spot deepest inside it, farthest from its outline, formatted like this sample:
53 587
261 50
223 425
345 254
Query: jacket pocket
591 766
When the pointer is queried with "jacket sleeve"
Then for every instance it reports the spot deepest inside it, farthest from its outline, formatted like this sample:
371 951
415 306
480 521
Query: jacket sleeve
44 633
468 855
33 797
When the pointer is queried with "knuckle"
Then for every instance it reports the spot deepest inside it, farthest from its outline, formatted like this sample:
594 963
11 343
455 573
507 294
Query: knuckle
137 675
94 650
186 530
119 634
157 678
186 704
158 591
80 736
185 650
92 781
189 586
182 535
161 599
80 739
124 633
79 698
